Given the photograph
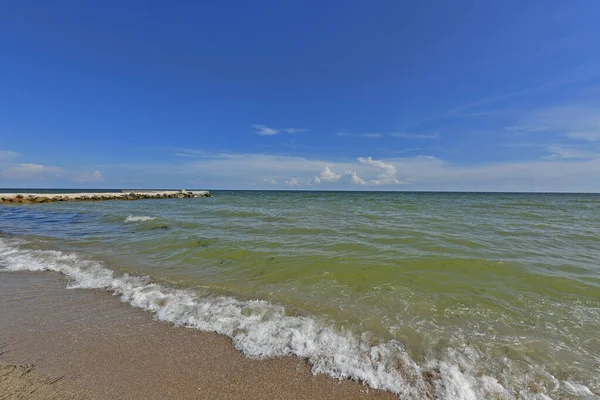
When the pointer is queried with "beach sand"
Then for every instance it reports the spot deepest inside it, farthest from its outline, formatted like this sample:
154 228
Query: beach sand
71 344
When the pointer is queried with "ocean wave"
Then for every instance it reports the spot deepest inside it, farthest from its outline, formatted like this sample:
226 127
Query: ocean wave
260 329
139 218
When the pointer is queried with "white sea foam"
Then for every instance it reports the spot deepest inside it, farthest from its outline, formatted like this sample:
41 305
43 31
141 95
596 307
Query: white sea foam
139 218
260 329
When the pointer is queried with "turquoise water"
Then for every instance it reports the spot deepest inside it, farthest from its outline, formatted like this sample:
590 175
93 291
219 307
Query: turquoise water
429 295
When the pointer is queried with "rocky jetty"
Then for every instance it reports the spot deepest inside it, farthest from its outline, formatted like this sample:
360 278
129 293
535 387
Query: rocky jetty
34 198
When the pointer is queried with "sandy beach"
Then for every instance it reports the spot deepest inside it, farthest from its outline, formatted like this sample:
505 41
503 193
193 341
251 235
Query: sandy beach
86 344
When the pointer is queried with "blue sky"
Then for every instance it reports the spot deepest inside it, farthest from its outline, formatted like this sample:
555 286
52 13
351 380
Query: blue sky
347 95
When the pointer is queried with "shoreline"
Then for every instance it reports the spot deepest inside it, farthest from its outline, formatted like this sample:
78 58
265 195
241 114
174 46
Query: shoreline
33 198
103 348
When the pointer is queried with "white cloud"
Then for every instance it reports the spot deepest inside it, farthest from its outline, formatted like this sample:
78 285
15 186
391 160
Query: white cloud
352 177
270 181
328 175
7 155
190 153
389 174
30 173
377 135
27 171
266 131
404 135
361 135
292 131
591 136
431 173
95 176
226 170
572 152
292 182
576 122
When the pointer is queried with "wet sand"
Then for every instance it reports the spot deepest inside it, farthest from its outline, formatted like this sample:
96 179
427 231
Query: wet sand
78 343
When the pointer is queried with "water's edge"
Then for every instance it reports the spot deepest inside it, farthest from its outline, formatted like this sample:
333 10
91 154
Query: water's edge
260 329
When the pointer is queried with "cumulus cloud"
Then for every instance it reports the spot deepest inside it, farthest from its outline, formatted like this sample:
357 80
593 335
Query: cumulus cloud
388 174
352 177
266 131
328 175
292 182
95 176
270 181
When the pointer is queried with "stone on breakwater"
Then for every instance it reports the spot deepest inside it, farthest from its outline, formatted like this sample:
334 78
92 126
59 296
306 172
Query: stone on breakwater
125 195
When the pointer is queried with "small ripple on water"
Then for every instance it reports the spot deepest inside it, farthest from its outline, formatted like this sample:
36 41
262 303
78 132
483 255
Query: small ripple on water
514 278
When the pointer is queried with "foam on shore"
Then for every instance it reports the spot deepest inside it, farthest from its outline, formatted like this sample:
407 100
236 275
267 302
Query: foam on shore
260 329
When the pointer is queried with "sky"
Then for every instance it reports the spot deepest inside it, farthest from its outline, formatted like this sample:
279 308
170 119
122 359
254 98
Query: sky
305 95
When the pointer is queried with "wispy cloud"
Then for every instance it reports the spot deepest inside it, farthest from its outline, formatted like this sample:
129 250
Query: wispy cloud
405 135
266 131
190 153
293 131
377 135
28 171
572 152
7 155
23 174
592 135
581 75
374 135
578 122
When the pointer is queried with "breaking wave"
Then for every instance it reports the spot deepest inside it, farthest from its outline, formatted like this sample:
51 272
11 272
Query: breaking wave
260 329
142 218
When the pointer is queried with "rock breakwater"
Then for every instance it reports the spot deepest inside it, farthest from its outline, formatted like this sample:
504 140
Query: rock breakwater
35 198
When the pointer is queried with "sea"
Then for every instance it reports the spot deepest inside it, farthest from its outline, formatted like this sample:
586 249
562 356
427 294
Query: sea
428 295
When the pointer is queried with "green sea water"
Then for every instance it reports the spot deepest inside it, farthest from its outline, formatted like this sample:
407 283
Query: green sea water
491 295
